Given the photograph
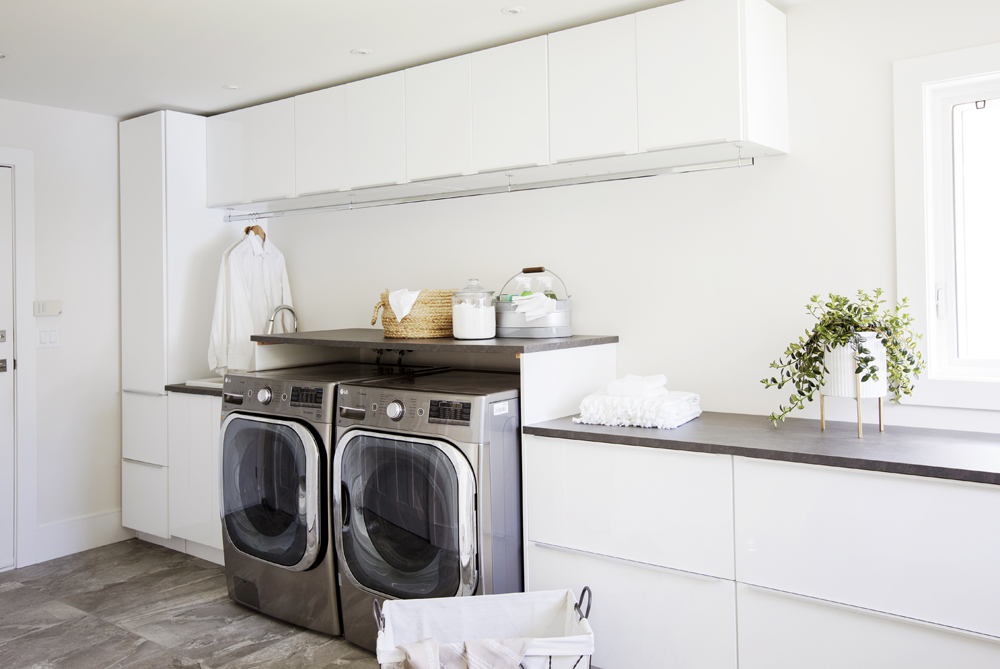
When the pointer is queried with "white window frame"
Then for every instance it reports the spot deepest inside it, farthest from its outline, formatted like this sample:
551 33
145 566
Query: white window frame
925 91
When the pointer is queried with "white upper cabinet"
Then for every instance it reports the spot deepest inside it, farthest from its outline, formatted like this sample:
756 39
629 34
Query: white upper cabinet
270 168
376 131
696 85
321 141
688 60
510 106
227 149
439 119
143 252
251 154
592 90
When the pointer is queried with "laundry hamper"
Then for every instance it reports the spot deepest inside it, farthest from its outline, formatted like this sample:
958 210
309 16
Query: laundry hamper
557 623
430 316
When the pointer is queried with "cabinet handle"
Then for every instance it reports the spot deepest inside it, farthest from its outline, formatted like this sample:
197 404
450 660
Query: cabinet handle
145 392
871 612
140 462
633 563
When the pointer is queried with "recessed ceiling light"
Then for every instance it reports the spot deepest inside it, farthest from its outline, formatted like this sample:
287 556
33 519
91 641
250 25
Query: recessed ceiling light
512 10
232 87
361 52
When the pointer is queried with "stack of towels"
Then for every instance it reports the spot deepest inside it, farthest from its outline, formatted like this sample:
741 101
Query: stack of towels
639 401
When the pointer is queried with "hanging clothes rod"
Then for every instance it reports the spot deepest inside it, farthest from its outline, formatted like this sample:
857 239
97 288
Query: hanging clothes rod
509 188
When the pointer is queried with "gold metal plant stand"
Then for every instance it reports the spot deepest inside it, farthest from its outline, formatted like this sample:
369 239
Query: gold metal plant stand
857 397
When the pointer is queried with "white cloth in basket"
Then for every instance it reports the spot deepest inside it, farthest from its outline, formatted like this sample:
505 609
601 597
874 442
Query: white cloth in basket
402 301
477 654
666 411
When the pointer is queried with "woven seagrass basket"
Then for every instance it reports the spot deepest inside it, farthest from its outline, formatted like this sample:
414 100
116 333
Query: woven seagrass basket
429 317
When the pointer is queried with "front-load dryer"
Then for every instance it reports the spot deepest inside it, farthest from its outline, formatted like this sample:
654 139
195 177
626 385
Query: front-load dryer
276 447
426 483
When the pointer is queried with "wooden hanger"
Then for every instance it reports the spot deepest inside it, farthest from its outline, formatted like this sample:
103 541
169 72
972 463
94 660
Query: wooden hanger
257 230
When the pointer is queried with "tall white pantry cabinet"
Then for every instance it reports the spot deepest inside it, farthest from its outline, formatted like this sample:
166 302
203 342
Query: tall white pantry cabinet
171 245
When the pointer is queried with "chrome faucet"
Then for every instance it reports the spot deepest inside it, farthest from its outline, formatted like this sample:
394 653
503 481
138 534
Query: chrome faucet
295 320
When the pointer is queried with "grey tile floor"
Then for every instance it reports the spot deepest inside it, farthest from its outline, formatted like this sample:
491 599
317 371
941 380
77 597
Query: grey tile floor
137 605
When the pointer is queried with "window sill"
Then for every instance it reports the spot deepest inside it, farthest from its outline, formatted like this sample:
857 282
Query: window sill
957 394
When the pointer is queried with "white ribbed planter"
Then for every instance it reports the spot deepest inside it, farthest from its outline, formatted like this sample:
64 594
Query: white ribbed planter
840 382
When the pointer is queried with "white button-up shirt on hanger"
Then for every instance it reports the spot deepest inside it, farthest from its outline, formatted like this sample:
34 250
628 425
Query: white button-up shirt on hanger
252 282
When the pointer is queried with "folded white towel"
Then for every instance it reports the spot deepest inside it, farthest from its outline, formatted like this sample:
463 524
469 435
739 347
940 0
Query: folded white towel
534 306
638 386
402 301
666 411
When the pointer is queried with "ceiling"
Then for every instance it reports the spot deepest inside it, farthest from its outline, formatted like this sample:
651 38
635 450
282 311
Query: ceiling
128 57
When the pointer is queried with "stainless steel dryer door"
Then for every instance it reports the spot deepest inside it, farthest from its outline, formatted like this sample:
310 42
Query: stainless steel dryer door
271 490
406 515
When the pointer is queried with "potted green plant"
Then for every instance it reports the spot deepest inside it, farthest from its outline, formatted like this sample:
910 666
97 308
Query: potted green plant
845 323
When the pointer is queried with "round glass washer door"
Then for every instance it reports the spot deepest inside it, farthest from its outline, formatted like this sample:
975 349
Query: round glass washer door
271 490
406 516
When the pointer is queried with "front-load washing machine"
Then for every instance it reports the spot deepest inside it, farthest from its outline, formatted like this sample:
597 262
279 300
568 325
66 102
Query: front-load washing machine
276 448
427 494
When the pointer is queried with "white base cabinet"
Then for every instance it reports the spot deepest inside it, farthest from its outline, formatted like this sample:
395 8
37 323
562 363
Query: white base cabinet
781 631
645 616
194 468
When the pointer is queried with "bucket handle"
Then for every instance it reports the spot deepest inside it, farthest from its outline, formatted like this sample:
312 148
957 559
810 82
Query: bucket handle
537 270
380 618
579 605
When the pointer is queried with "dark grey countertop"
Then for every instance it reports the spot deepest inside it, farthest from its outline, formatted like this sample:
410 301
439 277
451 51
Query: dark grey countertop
193 390
944 454
373 338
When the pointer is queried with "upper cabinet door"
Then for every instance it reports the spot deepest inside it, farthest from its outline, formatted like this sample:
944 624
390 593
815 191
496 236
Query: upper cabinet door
143 253
439 119
271 150
766 68
321 141
592 90
688 57
376 131
510 106
227 150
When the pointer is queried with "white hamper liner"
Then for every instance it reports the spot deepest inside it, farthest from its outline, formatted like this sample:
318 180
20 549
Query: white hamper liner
553 618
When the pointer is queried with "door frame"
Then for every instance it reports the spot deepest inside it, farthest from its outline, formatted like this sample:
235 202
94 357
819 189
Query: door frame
22 161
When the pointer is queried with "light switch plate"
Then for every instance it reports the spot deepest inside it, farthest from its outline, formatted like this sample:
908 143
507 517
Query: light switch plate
3 336
48 337
47 307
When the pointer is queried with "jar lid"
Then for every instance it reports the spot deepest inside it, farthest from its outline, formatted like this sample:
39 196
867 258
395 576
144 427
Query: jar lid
472 289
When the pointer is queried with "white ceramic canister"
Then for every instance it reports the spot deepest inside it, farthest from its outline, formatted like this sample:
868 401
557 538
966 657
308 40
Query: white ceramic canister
473 315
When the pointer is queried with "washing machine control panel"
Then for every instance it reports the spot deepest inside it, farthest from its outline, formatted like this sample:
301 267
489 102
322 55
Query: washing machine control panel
449 413
278 397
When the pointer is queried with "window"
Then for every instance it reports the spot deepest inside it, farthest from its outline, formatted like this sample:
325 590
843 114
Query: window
947 140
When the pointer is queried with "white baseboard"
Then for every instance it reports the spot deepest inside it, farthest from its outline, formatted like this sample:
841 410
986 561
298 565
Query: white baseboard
66 537
184 546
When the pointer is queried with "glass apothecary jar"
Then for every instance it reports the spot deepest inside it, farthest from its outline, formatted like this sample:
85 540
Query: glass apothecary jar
472 312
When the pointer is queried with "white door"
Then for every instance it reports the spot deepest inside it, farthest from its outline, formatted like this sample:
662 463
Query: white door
6 372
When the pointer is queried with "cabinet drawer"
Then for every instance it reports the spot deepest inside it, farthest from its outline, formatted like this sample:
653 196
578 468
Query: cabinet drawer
915 547
779 631
661 507
644 616
144 428
144 498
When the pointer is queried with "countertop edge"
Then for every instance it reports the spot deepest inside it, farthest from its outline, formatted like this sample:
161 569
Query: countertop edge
800 457
192 390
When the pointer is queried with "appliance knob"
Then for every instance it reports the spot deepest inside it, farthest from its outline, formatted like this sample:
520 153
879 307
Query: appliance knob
395 410
264 395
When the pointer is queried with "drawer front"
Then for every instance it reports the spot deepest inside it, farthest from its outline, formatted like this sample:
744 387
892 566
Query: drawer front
194 468
144 498
644 616
915 547
144 428
779 631
661 507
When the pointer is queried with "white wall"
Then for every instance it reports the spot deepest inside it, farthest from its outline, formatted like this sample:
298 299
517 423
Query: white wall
703 276
76 242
